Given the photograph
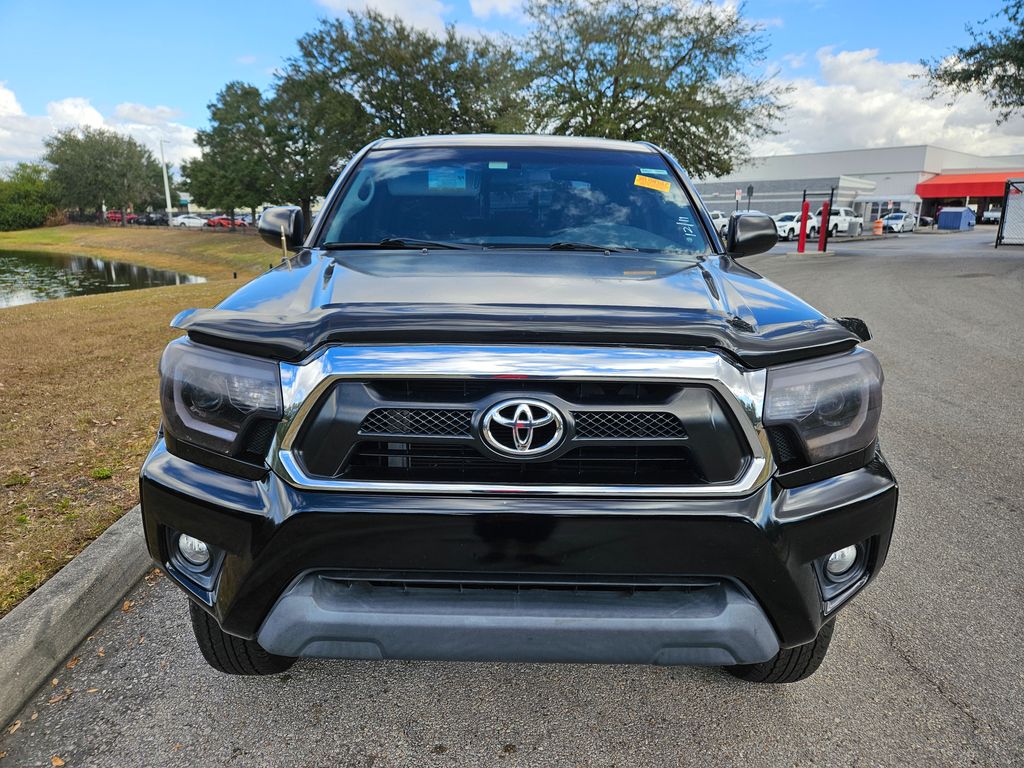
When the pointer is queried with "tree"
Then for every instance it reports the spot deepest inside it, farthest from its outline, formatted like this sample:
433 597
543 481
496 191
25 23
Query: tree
992 65
314 129
674 73
236 167
411 82
93 166
26 197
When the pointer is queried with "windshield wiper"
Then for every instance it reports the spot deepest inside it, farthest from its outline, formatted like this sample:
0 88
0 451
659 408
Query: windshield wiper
393 242
568 246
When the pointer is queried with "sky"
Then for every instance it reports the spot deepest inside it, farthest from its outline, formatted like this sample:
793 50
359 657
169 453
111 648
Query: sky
150 69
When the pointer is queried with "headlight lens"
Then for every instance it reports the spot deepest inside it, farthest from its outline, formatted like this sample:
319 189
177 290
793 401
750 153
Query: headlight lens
209 397
832 404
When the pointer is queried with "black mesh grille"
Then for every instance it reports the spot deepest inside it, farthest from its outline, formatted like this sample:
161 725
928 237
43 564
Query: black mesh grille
785 449
417 421
629 425
446 462
257 439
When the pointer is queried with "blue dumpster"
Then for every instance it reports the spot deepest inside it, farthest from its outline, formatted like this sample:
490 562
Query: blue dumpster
956 218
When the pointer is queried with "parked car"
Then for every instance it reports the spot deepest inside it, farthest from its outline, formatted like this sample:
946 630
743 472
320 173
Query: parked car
788 225
900 221
925 221
224 222
152 219
114 217
515 402
188 220
991 216
720 221
841 221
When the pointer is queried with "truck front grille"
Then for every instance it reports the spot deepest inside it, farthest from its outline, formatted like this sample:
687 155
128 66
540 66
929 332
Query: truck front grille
589 425
417 421
429 431
445 462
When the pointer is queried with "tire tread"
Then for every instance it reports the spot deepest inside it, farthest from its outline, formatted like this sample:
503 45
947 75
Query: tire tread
789 665
232 655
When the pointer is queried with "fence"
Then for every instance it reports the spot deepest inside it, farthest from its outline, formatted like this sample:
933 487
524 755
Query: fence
1011 221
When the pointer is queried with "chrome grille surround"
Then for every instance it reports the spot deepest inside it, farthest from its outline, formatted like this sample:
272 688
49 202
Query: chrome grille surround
742 390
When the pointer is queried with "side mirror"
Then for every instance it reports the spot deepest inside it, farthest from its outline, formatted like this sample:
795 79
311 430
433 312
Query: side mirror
750 233
286 219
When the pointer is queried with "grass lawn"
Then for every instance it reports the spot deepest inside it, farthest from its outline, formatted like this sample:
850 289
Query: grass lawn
211 253
78 389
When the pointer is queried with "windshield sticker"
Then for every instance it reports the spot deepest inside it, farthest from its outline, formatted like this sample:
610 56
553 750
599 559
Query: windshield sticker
498 165
446 178
657 184
654 172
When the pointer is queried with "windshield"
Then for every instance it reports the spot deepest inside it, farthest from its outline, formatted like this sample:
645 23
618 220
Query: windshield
505 197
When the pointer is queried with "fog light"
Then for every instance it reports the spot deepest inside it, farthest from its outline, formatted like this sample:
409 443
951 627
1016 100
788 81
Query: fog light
841 561
195 551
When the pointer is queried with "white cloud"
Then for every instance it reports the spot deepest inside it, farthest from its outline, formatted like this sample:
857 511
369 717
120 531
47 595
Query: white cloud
861 101
248 59
8 103
21 135
484 9
795 60
139 113
74 111
427 14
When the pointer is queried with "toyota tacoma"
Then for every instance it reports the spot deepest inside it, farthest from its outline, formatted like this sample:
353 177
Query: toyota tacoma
511 398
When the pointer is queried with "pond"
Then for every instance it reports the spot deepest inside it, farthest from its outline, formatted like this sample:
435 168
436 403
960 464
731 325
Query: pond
27 277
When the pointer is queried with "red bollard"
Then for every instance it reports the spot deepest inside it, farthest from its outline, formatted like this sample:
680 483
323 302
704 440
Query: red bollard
805 209
823 228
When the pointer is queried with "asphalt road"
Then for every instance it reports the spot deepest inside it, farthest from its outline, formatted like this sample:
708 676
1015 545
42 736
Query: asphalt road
926 668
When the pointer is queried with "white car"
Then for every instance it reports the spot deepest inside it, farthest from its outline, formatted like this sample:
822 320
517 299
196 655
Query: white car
842 220
720 221
788 225
188 220
899 222
991 216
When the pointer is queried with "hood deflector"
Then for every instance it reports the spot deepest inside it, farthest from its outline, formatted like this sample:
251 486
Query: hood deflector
292 338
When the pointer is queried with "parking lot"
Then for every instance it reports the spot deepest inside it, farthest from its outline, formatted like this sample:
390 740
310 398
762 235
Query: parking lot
926 667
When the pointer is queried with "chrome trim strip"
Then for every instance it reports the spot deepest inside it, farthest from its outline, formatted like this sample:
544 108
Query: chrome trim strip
742 390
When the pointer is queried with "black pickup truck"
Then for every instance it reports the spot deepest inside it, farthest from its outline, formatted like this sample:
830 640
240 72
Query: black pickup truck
512 399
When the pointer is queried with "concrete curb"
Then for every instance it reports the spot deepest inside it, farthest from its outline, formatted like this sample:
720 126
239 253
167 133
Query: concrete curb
46 626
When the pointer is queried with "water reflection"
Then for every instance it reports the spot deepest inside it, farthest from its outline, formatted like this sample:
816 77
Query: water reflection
27 277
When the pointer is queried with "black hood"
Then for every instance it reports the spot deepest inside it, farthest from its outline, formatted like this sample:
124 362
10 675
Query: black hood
501 296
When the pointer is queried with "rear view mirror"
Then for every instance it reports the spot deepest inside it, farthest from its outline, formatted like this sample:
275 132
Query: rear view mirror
283 220
750 233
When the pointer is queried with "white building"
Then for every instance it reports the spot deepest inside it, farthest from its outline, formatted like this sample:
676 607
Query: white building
919 179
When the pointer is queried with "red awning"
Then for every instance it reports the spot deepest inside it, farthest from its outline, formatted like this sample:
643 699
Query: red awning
964 184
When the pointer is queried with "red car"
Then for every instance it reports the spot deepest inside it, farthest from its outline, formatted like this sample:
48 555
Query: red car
114 217
224 221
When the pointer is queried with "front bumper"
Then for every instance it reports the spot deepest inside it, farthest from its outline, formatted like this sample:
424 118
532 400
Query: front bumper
713 580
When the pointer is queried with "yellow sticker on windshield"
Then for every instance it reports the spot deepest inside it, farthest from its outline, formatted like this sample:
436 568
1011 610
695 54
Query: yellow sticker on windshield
647 181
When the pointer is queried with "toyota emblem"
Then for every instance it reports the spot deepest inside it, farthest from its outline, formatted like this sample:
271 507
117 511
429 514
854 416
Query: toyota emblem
521 429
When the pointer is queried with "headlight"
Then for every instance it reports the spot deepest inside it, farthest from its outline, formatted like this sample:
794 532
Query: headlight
832 405
210 397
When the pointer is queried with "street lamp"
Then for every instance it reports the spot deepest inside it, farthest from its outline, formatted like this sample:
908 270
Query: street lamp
167 185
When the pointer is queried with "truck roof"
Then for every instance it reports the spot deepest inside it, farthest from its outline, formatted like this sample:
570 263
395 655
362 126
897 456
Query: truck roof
513 140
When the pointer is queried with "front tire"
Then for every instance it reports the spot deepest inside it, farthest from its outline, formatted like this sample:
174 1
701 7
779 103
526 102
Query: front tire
229 654
790 665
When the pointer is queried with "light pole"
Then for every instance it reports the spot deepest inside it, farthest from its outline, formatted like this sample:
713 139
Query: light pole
167 185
